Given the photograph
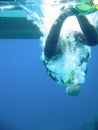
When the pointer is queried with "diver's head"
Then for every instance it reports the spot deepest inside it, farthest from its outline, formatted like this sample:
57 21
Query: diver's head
73 90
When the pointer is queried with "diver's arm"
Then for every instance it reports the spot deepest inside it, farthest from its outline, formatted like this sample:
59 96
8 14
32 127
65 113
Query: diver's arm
89 30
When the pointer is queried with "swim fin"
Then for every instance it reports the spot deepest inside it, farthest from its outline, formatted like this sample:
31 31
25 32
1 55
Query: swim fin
85 9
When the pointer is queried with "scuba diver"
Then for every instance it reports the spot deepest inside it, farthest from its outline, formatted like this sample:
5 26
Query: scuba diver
66 56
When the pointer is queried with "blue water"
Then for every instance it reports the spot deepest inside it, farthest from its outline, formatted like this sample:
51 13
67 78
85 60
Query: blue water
31 100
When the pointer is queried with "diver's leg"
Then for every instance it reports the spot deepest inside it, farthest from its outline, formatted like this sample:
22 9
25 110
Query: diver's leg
89 30
52 38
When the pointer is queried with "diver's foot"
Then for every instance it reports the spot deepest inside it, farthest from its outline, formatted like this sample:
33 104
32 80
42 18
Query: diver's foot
69 11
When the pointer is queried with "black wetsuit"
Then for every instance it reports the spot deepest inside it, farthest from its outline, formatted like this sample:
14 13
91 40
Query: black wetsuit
88 30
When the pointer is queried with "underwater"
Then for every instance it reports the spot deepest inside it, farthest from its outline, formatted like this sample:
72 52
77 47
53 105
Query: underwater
48 82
